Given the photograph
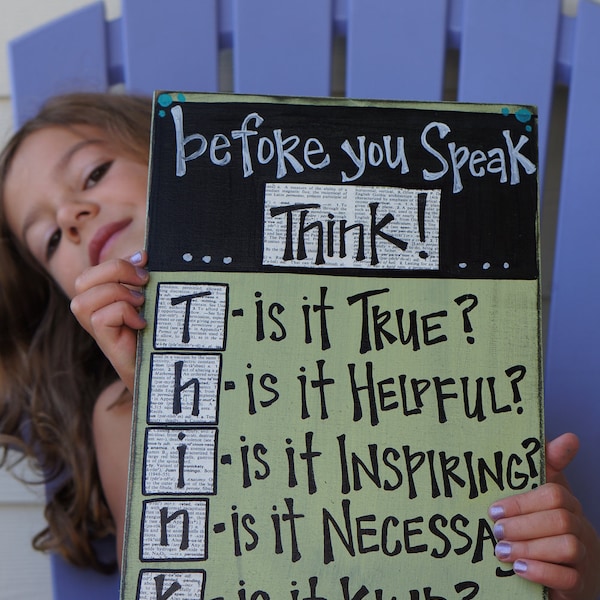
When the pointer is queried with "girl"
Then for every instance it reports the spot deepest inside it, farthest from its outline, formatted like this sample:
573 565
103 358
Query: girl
72 213
52 372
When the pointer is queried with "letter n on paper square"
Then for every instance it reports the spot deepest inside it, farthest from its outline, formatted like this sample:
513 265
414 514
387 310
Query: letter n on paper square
191 316
174 530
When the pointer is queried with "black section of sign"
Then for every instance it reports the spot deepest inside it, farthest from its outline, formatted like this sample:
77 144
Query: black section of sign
213 215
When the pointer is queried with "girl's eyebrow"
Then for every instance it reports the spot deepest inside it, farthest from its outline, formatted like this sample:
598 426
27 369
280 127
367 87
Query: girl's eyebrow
61 165
73 150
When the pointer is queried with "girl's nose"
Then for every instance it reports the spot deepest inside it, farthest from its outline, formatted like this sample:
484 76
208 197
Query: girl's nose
72 217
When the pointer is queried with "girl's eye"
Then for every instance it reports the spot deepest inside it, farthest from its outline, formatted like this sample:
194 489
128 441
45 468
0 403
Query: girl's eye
97 174
53 243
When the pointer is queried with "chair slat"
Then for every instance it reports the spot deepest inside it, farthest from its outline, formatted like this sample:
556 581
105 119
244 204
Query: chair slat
455 11
564 56
573 360
283 47
170 45
225 11
65 55
71 583
507 55
340 16
386 42
114 36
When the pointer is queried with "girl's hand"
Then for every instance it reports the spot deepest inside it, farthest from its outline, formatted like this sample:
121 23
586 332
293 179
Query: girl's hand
545 534
106 304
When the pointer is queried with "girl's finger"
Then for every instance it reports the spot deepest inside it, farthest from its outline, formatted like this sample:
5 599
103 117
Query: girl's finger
544 524
547 497
559 454
557 577
566 549
114 329
116 270
86 304
105 321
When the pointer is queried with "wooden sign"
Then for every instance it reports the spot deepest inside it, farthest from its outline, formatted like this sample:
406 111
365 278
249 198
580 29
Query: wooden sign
341 370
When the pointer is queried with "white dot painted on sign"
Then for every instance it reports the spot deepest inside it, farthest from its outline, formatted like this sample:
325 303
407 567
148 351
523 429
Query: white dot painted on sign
206 259
506 265
187 257
462 265
486 266
227 260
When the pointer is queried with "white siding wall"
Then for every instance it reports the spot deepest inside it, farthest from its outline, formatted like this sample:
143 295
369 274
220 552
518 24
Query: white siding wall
24 573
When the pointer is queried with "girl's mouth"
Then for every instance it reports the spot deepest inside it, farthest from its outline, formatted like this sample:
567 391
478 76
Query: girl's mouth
102 240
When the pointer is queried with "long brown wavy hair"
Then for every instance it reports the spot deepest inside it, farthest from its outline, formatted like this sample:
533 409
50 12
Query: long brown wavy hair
51 370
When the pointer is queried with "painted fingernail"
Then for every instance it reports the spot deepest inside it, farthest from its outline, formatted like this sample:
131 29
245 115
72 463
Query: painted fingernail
136 293
496 512
499 531
141 273
136 258
502 550
520 566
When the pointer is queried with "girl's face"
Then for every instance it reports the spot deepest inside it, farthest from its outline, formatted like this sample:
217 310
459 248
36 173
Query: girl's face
74 198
